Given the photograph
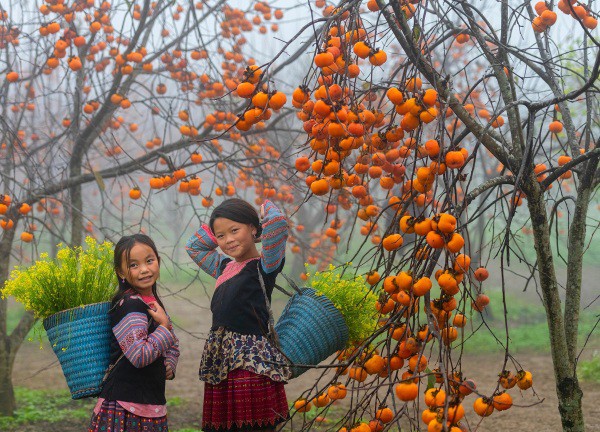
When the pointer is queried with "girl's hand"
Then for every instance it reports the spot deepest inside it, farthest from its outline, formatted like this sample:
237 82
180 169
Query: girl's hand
158 314
170 375
262 216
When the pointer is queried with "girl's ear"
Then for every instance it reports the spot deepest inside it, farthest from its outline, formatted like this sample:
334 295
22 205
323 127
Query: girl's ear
120 276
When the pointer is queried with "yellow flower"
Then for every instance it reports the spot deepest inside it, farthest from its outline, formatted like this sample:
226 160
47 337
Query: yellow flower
74 277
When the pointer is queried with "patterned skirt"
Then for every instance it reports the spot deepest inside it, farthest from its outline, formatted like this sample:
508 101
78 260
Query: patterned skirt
114 418
243 401
226 350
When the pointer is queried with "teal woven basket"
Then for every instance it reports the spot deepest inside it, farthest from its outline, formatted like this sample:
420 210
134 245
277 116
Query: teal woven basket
310 329
80 338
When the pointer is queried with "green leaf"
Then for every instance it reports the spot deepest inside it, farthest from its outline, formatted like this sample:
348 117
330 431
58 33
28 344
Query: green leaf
430 379
416 32
99 180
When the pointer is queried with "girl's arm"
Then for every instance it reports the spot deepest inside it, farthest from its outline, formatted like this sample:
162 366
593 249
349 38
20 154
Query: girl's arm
274 237
141 348
201 247
172 357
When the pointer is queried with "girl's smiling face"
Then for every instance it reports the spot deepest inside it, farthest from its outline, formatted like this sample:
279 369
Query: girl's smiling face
235 239
142 269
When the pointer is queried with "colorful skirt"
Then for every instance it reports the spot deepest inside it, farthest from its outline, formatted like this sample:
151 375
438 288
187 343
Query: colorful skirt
114 418
243 401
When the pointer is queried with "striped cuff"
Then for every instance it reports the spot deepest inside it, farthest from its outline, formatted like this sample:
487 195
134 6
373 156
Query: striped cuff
201 247
209 233
274 237
163 338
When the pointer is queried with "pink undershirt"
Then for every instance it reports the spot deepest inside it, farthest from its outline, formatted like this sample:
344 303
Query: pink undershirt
142 410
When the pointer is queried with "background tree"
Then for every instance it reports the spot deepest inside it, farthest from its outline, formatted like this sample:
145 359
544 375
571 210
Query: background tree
105 105
421 125
453 114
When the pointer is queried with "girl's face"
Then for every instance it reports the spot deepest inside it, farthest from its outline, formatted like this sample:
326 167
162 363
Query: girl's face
142 270
235 239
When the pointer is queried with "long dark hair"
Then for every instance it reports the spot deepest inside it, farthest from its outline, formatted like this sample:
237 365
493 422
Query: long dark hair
122 252
237 210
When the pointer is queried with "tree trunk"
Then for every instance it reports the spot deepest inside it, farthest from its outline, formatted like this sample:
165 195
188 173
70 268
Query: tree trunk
568 390
76 214
576 248
7 394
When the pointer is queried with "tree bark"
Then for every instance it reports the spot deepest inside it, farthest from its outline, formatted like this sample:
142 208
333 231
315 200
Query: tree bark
576 249
9 344
567 386
76 214
7 394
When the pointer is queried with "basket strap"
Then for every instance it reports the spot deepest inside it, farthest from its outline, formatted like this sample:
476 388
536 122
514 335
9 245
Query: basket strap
272 333
111 367
292 283
283 290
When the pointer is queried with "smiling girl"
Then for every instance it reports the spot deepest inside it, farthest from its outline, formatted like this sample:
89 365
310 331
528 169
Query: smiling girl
244 373
144 349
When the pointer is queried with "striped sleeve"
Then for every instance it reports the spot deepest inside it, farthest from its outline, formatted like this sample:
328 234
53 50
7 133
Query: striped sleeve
201 247
172 354
274 237
141 348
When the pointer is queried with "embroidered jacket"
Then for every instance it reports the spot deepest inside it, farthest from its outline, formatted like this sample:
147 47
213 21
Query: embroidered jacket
238 303
240 315
139 376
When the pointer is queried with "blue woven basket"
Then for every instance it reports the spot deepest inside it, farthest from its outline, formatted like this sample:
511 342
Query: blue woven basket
310 329
80 338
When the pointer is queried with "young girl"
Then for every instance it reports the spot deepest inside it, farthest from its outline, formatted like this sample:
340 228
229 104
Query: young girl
243 384
144 349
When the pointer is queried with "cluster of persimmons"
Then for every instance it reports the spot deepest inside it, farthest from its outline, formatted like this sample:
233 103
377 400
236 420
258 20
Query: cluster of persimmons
356 151
547 18
359 143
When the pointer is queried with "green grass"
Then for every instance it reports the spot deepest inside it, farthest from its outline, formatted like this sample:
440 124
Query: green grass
48 406
332 415
527 326
589 370
175 401
56 406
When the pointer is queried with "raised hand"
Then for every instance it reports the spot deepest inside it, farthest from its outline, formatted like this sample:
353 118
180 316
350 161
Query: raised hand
158 314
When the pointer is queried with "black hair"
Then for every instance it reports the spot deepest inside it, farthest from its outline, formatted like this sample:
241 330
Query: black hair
122 251
237 210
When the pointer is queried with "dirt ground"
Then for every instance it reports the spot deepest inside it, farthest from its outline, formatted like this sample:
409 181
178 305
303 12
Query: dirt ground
534 410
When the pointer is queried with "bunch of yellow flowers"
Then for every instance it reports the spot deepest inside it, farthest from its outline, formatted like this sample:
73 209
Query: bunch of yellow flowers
351 296
76 277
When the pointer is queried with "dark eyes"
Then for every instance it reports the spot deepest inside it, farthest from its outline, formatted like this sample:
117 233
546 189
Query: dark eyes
150 261
233 230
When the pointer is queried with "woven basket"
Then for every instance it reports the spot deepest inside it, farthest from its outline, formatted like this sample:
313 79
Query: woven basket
310 329
80 338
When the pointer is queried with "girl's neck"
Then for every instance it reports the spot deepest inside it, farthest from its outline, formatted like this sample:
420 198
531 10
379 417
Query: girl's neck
247 257
148 298
144 292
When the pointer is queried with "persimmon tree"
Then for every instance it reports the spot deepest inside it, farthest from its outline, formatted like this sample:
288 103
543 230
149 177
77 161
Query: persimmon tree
404 105
420 121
